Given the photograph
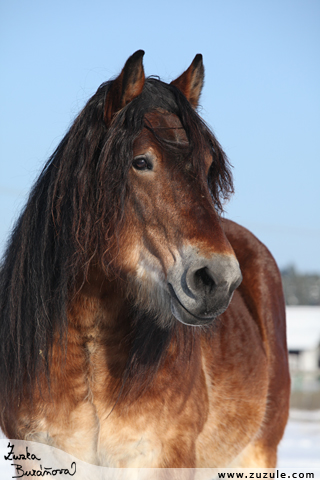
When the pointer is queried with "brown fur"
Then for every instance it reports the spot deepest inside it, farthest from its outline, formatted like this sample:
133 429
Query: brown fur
226 405
127 86
219 394
191 81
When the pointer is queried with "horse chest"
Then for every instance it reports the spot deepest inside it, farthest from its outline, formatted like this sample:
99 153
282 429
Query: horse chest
155 430
130 441
200 413
182 422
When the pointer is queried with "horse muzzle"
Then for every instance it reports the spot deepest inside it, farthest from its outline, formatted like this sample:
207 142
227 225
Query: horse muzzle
201 288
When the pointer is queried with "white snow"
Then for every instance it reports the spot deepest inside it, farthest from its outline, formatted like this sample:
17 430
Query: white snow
300 446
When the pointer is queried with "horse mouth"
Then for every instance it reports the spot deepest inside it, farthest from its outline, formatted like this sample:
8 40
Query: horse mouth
181 313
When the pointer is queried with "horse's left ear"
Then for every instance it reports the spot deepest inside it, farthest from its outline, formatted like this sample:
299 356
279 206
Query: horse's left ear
127 86
190 83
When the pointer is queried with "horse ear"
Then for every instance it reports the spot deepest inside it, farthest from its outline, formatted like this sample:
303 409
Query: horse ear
190 83
127 86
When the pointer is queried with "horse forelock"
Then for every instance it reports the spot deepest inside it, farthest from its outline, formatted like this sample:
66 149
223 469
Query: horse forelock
110 178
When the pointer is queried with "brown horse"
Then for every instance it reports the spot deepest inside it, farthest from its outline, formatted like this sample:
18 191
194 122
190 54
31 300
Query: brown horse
127 336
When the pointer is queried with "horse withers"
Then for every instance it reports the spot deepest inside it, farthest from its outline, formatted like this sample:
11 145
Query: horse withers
139 328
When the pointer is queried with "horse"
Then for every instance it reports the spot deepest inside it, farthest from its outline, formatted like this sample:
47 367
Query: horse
140 327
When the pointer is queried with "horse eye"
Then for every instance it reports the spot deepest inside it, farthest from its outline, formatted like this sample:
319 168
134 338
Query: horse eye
141 163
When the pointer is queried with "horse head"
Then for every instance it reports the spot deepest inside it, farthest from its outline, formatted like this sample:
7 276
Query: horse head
171 244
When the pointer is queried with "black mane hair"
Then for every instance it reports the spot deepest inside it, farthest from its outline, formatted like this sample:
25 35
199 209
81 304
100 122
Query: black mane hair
72 216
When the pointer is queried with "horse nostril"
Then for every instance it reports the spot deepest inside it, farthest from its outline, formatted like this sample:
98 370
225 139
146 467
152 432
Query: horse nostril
203 280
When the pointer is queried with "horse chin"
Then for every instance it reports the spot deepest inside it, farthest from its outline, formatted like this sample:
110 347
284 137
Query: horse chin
186 317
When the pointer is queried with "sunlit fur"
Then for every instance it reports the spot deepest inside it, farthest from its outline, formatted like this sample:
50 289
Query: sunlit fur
73 214
91 358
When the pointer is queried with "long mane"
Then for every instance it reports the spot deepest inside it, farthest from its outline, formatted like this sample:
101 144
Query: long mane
73 214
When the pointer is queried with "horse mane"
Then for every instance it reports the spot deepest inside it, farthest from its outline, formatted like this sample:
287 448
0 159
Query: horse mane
73 214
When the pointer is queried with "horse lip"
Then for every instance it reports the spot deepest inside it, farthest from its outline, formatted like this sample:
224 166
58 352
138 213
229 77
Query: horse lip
194 320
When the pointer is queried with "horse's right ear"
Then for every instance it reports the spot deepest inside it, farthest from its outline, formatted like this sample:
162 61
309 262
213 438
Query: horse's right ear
127 86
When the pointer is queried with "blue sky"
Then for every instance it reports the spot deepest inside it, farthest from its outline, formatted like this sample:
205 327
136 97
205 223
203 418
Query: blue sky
261 96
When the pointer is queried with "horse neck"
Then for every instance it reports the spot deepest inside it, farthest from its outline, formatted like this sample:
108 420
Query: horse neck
98 317
101 321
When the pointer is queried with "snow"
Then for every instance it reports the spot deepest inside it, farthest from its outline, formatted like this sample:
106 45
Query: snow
300 446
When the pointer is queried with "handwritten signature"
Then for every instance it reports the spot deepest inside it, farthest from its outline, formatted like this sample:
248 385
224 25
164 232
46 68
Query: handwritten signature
35 472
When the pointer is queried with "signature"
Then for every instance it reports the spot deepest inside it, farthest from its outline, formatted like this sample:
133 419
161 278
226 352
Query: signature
35 472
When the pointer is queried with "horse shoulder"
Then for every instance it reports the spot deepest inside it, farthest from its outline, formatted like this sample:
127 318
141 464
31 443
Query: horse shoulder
262 293
261 288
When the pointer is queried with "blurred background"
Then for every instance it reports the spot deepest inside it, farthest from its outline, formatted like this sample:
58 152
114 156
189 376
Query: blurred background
261 98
